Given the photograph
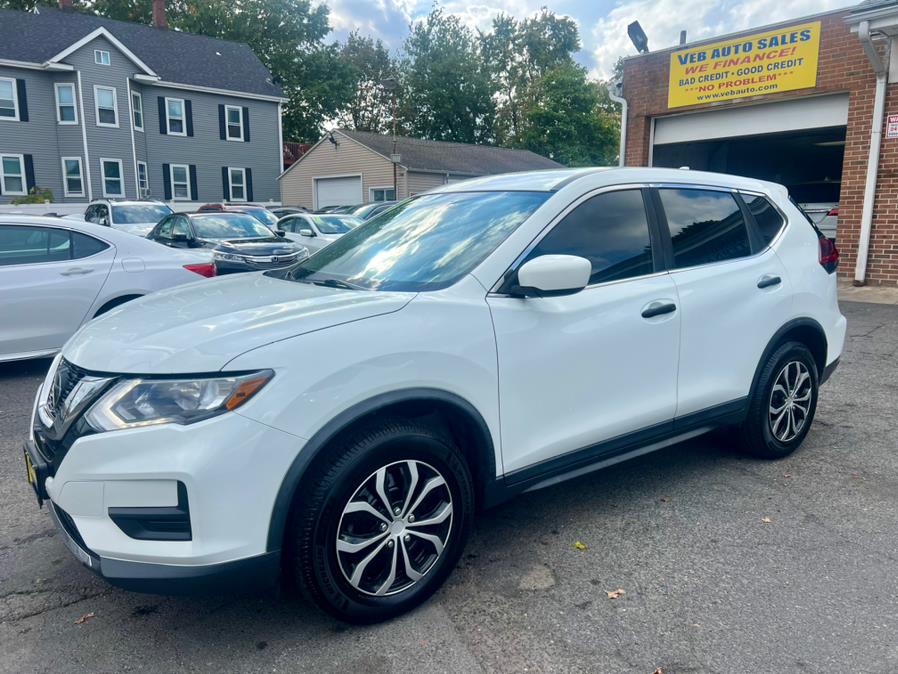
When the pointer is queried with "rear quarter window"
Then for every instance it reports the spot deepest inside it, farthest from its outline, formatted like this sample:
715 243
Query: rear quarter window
767 218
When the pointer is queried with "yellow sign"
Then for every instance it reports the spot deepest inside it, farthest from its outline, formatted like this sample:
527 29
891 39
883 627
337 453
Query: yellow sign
753 65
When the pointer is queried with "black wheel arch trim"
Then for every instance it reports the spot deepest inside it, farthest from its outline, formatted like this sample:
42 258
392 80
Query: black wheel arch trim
343 421
777 339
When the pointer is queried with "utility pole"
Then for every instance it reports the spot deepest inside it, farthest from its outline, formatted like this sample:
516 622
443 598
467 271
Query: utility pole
390 84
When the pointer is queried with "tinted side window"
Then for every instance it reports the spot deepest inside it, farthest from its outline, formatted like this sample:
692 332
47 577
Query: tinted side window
611 230
31 245
705 226
179 225
164 229
90 213
768 219
85 246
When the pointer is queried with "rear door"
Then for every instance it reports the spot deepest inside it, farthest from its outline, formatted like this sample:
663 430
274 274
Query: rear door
49 278
734 293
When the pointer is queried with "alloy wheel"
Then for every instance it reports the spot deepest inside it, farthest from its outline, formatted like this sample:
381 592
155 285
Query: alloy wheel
790 401
394 528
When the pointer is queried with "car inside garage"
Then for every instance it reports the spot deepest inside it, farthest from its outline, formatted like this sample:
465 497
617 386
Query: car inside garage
799 144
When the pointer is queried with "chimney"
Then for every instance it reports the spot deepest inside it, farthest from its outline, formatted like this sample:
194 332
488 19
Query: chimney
65 5
159 18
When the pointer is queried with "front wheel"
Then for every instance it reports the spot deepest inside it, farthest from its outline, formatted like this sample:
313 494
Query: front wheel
383 523
783 404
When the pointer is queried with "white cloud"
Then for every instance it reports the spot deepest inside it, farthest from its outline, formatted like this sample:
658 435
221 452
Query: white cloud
663 20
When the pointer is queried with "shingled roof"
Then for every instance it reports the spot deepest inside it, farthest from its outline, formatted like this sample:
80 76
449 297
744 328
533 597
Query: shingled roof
460 158
183 58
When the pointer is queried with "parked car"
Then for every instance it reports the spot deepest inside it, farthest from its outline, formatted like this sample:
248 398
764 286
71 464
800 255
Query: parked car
825 215
57 274
340 421
288 210
317 231
134 217
368 211
260 213
237 241
338 209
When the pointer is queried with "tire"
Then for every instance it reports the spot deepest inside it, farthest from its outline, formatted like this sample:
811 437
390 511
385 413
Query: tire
780 416
393 452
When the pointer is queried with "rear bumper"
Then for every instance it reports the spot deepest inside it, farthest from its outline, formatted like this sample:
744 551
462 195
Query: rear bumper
252 574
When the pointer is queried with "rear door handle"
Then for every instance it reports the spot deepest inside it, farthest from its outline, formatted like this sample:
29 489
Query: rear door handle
76 271
658 309
768 280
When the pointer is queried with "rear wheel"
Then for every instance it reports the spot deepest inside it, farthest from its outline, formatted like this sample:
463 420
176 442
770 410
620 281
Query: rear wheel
783 404
383 523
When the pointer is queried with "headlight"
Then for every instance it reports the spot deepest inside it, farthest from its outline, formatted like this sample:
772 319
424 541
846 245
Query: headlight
227 256
144 402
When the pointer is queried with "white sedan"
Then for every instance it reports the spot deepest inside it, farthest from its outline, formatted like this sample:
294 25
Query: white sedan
56 274
315 231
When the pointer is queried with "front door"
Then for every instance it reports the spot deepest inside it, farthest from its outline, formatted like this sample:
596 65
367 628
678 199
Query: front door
582 369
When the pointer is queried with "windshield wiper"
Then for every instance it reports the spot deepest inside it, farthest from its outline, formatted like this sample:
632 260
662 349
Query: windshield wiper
334 283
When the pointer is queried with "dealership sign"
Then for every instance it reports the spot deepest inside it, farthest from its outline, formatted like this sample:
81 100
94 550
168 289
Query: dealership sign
753 65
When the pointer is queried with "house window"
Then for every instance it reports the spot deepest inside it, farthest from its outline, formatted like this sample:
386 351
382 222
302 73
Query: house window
237 180
383 194
143 182
174 115
9 100
12 174
101 57
66 112
137 110
180 182
234 117
106 100
71 175
113 185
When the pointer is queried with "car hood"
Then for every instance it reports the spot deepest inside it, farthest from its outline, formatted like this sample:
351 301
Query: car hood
201 326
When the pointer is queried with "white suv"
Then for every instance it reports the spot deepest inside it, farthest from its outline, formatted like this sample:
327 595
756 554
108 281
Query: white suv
339 422
134 217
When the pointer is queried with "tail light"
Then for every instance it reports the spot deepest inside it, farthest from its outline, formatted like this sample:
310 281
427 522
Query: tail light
206 269
833 212
829 254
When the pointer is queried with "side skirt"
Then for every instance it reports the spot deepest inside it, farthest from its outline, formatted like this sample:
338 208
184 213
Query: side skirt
609 452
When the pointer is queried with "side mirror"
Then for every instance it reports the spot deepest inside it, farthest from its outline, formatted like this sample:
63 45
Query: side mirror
306 232
280 232
551 276
180 237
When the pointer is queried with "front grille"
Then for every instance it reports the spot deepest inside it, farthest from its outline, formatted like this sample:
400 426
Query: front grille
66 378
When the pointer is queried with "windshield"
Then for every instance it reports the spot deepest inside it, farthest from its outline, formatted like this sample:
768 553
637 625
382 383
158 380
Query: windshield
425 243
334 224
228 226
137 215
263 215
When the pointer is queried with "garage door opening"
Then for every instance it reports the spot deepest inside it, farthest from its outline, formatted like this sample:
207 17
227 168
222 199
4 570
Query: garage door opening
338 191
807 162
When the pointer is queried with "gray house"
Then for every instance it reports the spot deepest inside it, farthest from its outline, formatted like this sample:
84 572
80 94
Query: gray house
91 107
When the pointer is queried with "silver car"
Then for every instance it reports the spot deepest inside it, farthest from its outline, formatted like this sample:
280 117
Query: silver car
315 231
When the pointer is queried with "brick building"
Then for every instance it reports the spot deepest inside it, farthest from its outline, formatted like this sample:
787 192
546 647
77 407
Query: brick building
795 103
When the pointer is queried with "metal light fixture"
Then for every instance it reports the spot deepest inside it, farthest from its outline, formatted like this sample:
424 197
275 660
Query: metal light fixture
638 37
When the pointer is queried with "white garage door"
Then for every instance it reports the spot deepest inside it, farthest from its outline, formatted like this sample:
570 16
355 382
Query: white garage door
338 191
813 112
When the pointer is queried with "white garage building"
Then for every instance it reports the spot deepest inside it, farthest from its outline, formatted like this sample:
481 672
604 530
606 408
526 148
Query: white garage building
354 167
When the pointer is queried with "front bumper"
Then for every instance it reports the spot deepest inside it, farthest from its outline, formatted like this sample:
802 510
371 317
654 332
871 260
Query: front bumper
228 468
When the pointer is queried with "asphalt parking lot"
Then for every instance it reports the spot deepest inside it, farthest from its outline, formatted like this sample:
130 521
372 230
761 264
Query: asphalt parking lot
727 564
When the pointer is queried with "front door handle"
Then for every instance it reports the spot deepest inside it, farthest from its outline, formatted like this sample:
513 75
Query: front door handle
76 271
768 280
658 309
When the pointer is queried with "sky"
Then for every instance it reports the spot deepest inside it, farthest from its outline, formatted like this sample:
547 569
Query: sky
602 23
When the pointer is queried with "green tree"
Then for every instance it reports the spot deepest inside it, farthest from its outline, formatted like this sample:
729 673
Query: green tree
369 107
565 120
446 86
